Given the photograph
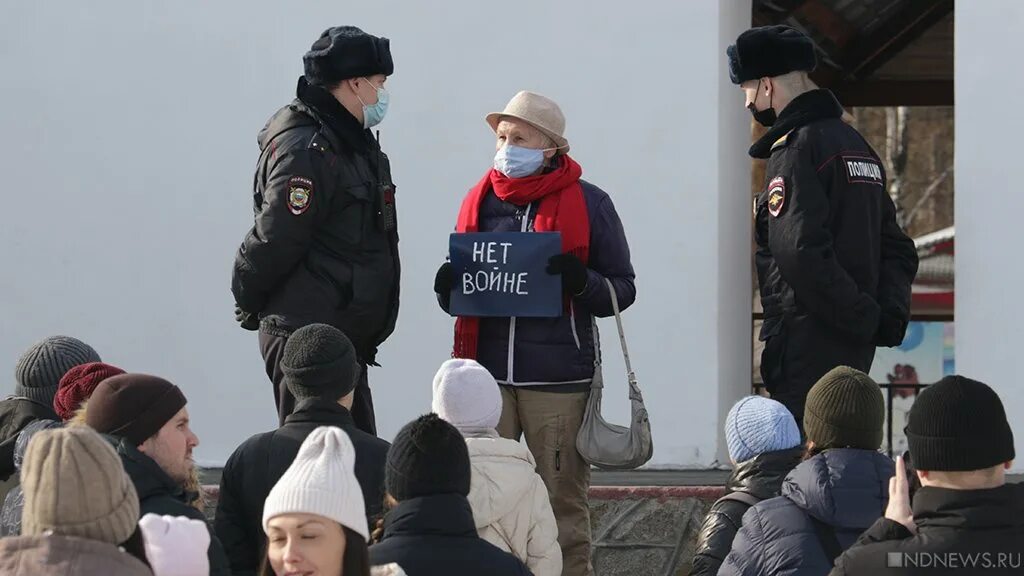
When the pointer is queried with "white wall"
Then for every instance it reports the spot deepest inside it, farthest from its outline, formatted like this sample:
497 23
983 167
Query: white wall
990 200
129 140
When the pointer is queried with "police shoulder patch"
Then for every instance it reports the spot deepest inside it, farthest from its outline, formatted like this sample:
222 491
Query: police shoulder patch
300 194
776 196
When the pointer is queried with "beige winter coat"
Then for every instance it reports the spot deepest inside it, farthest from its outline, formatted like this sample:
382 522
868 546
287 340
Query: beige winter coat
65 556
510 503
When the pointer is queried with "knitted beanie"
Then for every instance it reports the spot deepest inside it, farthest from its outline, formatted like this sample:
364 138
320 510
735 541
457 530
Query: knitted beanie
319 361
75 486
40 369
466 395
133 406
321 481
845 409
958 424
428 457
756 425
78 385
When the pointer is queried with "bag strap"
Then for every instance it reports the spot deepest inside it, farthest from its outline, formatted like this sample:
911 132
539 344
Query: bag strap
743 497
827 538
634 390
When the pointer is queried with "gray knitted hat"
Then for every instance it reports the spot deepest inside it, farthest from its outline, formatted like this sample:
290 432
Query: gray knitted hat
40 369
319 361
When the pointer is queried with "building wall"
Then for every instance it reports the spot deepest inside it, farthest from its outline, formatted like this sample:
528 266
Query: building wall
989 202
130 138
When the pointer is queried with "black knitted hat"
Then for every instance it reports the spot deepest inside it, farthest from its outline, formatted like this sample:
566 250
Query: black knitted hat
958 424
770 51
347 52
319 361
845 409
428 457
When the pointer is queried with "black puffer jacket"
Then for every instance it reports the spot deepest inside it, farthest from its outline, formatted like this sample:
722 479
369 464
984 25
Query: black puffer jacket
760 477
844 488
977 531
324 246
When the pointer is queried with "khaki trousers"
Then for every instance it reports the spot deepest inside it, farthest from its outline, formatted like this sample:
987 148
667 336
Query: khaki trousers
550 422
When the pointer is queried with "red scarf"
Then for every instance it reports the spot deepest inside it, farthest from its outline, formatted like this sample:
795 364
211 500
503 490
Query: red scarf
561 209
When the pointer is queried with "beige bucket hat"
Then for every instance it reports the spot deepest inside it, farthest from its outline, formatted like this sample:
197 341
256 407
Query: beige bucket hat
538 111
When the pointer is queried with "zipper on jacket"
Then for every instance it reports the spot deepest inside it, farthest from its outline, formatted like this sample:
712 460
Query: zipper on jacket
572 323
512 321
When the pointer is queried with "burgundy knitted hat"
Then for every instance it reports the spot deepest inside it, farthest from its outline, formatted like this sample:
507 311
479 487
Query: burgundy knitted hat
78 385
133 406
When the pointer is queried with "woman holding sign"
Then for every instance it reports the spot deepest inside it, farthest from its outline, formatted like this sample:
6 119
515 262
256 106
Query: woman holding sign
545 364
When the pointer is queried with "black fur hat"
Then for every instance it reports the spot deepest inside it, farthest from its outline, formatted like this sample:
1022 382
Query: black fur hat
346 52
770 51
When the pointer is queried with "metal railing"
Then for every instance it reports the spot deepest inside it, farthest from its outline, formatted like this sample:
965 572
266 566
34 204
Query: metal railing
888 387
890 393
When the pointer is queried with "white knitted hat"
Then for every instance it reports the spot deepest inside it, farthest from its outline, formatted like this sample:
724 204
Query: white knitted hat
321 481
466 395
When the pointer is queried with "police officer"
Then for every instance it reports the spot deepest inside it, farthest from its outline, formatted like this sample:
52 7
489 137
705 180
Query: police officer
834 267
324 246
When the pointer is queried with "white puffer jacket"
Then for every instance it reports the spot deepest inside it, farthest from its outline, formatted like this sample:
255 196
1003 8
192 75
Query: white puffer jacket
510 503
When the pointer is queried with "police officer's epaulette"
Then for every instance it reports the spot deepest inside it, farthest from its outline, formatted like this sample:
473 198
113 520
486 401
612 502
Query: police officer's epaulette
781 142
321 143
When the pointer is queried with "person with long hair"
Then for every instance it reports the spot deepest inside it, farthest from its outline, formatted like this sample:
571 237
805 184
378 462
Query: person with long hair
314 517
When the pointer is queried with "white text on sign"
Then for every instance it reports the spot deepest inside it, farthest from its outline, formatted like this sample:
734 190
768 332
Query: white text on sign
494 280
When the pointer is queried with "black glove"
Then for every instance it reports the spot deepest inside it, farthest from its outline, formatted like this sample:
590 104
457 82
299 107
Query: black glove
443 283
248 320
891 330
573 271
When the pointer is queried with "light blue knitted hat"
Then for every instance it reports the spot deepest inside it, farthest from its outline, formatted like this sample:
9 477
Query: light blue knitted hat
756 425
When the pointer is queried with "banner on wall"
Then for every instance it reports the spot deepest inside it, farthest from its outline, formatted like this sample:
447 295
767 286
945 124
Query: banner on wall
925 356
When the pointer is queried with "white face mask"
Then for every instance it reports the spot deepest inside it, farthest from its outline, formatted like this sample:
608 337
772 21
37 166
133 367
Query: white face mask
518 162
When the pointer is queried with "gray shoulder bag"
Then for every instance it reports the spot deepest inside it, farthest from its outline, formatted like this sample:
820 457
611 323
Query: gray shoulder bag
607 445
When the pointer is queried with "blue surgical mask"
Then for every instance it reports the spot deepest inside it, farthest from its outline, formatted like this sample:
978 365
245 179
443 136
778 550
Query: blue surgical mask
374 113
518 162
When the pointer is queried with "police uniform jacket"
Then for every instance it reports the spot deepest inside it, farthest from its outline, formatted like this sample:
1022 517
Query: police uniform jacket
828 244
324 246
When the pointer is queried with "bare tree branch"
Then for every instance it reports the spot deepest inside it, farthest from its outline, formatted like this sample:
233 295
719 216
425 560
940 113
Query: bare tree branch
928 193
896 121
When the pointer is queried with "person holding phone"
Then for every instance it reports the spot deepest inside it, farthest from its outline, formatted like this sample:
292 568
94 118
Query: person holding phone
964 511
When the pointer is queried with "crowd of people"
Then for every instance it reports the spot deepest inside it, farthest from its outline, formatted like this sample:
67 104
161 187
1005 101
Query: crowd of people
834 504
101 480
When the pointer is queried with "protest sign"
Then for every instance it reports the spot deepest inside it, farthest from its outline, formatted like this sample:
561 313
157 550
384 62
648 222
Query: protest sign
503 274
